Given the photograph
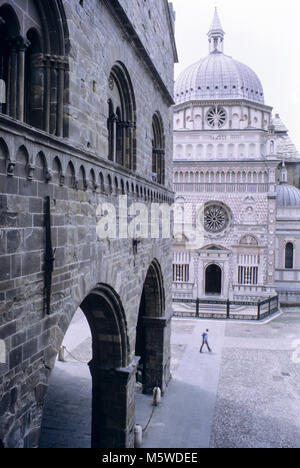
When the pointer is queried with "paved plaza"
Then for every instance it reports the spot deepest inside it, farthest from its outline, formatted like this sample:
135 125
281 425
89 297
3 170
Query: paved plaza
246 393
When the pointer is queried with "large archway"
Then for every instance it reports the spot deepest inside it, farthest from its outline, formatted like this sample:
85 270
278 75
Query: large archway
113 379
153 333
213 280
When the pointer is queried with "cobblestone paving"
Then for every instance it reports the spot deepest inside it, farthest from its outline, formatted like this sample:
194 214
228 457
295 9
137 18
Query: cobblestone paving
67 411
246 394
259 388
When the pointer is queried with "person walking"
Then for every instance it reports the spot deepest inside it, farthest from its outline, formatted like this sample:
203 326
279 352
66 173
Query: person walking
205 341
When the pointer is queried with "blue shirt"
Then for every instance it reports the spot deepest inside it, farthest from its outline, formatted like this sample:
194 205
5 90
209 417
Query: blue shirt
204 336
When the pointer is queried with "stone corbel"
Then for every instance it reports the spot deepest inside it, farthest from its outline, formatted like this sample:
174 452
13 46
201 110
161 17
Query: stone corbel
62 180
48 176
11 167
76 183
95 186
31 170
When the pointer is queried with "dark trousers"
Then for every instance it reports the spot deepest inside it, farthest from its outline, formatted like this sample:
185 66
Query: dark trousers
205 342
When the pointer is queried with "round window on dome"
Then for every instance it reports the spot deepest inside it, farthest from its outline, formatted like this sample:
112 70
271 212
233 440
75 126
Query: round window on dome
216 117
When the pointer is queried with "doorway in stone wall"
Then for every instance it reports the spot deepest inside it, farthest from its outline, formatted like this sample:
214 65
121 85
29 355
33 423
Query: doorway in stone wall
213 280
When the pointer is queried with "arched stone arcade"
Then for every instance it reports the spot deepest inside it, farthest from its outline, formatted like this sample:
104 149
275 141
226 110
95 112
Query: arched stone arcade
153 331
113 376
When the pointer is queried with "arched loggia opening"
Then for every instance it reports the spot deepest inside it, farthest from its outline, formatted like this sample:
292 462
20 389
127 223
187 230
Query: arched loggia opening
34 69
113 379
153 333
34 81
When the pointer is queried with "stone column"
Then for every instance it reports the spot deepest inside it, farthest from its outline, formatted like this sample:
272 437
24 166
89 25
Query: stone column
53 94
115 138
157 332
13 80
163 167
113 406
47 96
60 96
37 117
249 117
22 45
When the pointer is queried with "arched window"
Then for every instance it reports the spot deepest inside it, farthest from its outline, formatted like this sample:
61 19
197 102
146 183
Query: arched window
33 98
158 150
289 256
9 55
121 122
33 65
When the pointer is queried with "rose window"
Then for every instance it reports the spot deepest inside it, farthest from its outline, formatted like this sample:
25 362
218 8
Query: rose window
216 218
216 117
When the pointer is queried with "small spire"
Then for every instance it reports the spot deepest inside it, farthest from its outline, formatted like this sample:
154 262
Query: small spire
284 174
216 34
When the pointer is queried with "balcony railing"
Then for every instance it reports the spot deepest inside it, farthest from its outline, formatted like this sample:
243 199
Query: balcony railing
185 187
182 290
230 310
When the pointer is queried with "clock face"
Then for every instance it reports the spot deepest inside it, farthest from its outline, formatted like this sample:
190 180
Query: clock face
216 117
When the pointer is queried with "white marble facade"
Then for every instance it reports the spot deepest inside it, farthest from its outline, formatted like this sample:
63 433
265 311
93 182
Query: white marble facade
230 153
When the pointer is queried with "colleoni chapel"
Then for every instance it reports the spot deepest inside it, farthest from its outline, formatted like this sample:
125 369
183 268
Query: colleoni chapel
232 154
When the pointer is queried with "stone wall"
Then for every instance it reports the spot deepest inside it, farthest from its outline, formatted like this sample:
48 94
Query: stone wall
33 165
98 46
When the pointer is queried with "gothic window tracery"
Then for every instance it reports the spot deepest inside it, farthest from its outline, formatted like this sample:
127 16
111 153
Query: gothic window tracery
121 121
158 150
33 67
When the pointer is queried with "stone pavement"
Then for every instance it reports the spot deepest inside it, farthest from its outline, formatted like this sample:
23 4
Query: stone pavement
245 394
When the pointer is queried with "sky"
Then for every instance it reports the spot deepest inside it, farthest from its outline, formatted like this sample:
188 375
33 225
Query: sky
263 34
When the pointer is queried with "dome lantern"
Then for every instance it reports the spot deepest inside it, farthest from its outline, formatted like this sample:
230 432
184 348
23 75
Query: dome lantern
218 76
216 35
283 174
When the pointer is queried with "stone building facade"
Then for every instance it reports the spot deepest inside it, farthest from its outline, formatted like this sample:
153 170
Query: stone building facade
228 155
86 118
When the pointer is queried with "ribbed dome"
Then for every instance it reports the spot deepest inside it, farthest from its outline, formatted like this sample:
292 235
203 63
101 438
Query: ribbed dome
288 196
218 77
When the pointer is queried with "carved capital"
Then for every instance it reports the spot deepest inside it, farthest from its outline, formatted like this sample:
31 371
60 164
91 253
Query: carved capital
47 61
38 60
19 43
